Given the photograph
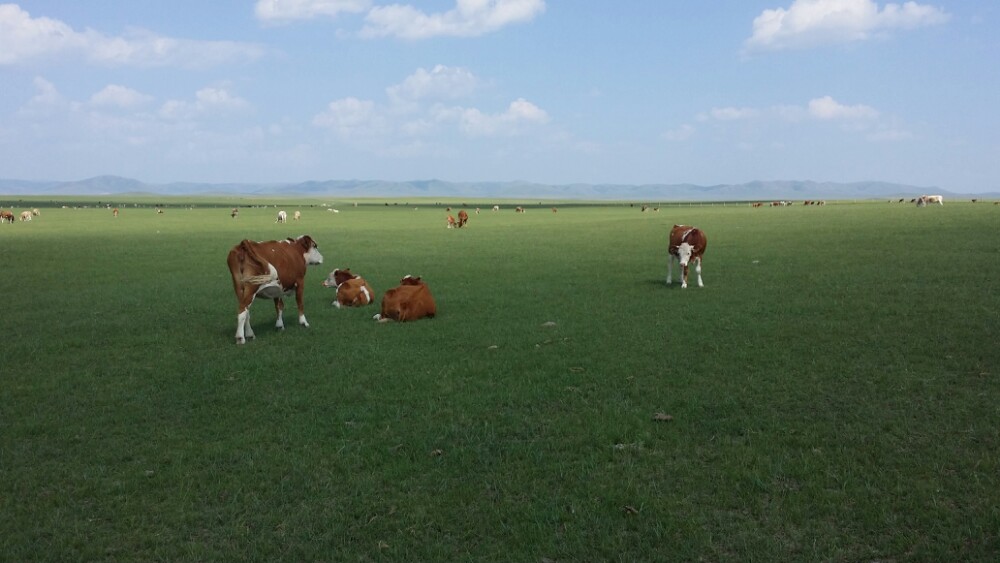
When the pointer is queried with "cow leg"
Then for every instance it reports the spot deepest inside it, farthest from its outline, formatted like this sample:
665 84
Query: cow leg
697 270
670 269
684 276
299 289
279 307
241 322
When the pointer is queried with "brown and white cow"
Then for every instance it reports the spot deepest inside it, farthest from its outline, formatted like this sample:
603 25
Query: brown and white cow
686 244
352 289
272 270
235 213
409 301
451 222
463 218
114 212
923 200
6 216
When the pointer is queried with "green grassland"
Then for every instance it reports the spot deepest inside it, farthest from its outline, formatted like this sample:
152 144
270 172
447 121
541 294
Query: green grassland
832 391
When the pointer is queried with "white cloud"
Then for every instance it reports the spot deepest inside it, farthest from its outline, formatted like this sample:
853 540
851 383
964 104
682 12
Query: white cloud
25 39
352 119
520 113
810 23
827 108
440 83
469 18
287 10
114 95
214 102
682 133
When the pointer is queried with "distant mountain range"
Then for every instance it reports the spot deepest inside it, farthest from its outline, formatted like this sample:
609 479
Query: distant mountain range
341 189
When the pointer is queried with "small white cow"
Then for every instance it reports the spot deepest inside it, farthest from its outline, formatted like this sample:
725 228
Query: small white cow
282 217
297 215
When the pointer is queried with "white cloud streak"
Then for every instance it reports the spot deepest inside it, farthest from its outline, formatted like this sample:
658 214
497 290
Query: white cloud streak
25 39
290 10
811 23
469 18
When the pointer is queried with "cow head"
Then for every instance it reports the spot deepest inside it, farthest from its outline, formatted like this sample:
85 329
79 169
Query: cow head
337 277
684 251
311 250
410 280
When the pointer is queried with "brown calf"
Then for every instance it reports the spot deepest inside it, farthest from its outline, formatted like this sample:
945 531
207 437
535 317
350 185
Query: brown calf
352 290
409 301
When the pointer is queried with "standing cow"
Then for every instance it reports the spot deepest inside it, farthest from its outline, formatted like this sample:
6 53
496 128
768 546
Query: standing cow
6 216
235 213
463 218
282 217
686 244
26 216
270 269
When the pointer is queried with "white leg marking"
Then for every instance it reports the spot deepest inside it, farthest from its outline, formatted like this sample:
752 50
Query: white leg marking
698 270
302 321
670 269
280 324
368 296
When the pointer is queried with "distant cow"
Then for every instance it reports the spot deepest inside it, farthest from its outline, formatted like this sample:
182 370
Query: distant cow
235 212
352 290
496 208
297 215
270 269
451 222
26 216
463 218
518 209
35 212
282 217
114 212
6 216
409 301
925 199
686 244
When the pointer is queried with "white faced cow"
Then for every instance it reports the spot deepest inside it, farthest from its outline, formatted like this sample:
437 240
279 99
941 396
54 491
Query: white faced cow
686 244
352 289
270 269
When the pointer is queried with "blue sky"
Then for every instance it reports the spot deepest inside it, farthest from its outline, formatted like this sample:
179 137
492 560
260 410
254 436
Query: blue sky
554 91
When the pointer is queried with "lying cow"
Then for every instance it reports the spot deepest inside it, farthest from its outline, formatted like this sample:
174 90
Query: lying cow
271 270
352 290
409 301
686 244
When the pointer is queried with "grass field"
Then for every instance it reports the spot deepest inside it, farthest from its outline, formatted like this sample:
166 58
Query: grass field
833 389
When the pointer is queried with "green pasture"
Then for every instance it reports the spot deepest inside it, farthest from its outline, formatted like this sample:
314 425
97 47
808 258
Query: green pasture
832 394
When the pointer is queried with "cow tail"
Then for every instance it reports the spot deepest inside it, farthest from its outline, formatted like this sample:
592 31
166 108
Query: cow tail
246 253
